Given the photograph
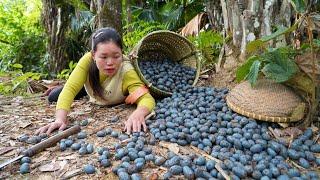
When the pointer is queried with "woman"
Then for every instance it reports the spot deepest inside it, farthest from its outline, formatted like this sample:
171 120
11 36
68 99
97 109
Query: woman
107 77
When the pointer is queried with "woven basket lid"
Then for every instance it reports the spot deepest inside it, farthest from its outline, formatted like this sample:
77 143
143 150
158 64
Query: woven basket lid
164 44
266 101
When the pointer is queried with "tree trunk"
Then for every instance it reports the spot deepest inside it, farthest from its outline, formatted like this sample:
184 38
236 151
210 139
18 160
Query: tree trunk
109 14
247 20
129 14
55 20
215 15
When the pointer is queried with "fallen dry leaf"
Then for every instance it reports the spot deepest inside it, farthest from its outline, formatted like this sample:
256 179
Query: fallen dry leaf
194 25
174 147
5 150
24 124
292 131
314 128
306 64
73 156
53 166
153 176
278 132
284 125
42 157
203 153
45 176
71 174
110 176
10 153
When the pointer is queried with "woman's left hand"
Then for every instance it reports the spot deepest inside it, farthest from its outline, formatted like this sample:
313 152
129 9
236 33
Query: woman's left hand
136 120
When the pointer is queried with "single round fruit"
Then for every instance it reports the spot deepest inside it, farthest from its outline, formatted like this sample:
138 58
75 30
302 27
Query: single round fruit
25 168
25 160
89 169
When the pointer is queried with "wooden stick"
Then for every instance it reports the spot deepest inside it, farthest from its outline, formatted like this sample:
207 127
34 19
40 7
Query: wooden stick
218 162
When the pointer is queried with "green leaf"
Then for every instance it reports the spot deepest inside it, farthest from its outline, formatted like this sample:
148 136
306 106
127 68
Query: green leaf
254 71
18 66
280 70
255 45
280 31
243 71
299 5
78 4
316 42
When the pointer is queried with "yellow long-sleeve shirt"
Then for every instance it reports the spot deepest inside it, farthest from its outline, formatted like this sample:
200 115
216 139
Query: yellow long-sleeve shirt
78 77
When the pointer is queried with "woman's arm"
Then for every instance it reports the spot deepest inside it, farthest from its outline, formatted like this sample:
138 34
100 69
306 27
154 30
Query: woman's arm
67 95
74 83
145 103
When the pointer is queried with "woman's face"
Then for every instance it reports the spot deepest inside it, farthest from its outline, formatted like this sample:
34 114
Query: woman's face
108 57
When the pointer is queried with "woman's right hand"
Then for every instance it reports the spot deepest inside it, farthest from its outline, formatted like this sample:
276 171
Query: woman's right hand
60 123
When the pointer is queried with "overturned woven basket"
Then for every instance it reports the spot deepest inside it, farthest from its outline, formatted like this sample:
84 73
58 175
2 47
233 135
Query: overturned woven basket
164 44
267 101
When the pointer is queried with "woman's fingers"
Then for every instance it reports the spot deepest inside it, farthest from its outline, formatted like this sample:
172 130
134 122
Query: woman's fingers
138 126
144 126
135 126
52 127
42 130
128 127
62 127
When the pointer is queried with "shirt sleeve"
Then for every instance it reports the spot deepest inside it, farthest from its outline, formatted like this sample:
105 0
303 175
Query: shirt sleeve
75 83
131 82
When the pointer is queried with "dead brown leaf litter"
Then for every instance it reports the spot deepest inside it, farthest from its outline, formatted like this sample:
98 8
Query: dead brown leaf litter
24 116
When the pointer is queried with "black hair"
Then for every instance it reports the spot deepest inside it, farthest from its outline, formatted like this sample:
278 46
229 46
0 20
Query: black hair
101 35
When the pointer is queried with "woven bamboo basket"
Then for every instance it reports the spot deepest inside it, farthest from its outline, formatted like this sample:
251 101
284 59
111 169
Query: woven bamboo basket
162 44
267 101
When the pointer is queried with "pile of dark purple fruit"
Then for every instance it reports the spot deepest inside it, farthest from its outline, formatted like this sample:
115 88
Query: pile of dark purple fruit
167 75
200 116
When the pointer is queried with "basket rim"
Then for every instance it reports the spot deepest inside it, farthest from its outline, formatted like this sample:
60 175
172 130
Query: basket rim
134 51
293 116
133 56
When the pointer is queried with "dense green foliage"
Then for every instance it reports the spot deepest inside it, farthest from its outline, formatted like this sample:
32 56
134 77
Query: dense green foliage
276 64
65 73
139 29
15 82
78 35
173 13
209 44
21 35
